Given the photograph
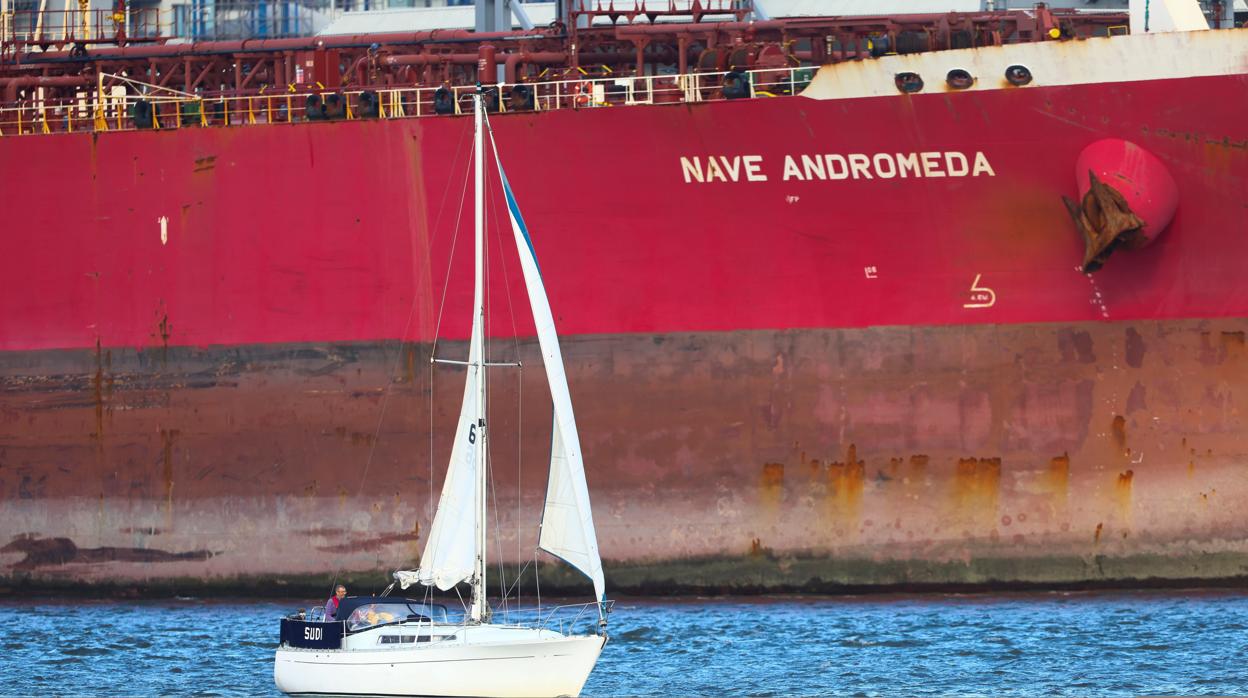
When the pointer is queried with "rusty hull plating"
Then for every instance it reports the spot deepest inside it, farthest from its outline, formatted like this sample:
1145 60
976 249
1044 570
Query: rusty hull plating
817 459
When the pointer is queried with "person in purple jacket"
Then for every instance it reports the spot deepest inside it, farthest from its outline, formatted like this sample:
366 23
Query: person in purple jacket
331 606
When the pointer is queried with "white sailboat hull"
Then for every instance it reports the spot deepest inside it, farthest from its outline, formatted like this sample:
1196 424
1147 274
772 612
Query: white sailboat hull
482 661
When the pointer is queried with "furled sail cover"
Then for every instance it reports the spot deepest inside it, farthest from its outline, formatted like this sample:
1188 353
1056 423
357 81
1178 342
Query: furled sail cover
451 550
567 523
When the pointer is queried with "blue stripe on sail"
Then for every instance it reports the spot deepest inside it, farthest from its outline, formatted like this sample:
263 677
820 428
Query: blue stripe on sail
514 208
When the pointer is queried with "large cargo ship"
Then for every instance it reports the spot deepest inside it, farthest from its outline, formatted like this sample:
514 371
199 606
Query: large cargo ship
840 303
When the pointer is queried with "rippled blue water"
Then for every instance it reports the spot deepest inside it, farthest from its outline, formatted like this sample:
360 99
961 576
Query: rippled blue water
1027 644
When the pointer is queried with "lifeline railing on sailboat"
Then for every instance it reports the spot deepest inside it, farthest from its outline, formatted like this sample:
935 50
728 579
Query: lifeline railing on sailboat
557 617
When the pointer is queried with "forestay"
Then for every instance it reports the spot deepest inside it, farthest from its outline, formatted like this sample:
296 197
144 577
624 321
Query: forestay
567 524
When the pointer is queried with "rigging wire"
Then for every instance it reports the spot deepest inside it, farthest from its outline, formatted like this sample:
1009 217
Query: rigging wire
489 224
446 279
437 331
486 220
515 334
500 232
519 464
411 312
515 337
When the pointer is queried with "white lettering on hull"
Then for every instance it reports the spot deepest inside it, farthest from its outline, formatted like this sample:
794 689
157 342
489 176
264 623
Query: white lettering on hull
722 168
981 296
835 166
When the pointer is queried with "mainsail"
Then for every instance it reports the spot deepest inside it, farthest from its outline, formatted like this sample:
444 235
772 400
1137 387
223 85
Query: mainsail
567 524
451 549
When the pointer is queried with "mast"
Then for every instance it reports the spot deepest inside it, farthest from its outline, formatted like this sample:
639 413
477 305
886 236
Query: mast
478 305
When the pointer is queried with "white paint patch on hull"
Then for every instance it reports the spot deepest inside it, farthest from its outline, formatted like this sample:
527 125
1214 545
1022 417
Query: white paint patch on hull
1129 58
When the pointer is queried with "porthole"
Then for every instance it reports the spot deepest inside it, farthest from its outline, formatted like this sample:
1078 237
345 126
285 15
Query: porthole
908 83
1018 75
959 79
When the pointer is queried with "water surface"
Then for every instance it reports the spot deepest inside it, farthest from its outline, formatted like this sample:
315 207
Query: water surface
1074 644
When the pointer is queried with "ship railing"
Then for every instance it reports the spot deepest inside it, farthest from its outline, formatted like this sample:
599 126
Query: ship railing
33 29
78 26
123 108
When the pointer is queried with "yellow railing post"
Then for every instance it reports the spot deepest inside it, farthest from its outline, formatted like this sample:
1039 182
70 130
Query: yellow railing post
20 109
101 123
290 110
251 111
203 115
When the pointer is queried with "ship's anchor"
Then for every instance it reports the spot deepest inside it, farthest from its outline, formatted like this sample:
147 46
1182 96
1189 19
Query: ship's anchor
1127 199
1106 221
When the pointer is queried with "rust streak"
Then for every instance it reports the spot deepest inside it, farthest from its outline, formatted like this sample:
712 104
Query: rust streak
1058 480
756 548
205 164
845 484
163 333
976 488
1233 344
1119 430
1123 497
167 437
771 486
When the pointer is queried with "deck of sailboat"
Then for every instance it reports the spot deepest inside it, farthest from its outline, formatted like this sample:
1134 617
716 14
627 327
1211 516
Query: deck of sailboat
415 635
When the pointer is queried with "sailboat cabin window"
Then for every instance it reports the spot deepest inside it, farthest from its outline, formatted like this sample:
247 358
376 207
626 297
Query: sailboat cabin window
362 613
409 639
376 614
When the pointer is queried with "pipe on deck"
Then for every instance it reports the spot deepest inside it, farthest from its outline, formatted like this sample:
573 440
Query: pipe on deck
12 85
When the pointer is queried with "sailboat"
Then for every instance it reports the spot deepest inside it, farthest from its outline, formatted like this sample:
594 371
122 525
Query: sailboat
394 646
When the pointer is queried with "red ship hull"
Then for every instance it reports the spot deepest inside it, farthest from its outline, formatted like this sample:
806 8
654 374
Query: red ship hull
817 372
